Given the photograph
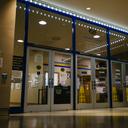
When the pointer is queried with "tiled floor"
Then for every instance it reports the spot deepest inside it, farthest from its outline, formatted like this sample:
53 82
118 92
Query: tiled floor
100 118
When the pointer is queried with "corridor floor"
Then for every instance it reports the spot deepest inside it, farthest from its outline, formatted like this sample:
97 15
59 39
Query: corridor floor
98 118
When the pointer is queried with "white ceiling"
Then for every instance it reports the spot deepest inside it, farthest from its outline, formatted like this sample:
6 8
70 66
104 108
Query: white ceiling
111 11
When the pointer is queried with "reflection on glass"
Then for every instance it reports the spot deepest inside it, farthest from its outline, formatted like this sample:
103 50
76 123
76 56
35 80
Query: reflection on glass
37 87
49 30
119 46
62 79
17 68
101 81
90 39
117 89
126 81
83 80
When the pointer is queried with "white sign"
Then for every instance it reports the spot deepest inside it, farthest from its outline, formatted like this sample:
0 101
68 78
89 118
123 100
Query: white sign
38 58
1 62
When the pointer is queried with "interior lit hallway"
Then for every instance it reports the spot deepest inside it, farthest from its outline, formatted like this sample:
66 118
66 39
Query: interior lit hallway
98 118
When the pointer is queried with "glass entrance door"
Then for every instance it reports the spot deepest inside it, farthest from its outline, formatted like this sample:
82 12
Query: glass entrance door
117 84
125 82
38 80
62 81
100 85
84 84
48 85
92 79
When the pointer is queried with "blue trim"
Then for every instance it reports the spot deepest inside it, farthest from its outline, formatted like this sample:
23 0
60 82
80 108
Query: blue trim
109 67
115 59
14 110
33 44
74 61
25 55
67 15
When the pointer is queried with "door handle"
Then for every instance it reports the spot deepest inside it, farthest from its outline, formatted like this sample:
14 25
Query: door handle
94 85
49 82
52 83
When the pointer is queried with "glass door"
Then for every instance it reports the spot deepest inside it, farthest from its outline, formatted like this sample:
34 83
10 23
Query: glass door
100 83
125 83
48 80
117 84
84 87
62 81
92 83
38 80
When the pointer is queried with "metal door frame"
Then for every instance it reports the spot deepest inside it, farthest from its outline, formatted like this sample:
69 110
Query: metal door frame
106 104
119 104
49 106
93 104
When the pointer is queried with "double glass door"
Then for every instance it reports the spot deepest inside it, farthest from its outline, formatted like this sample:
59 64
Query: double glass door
119 84
92 83
48 82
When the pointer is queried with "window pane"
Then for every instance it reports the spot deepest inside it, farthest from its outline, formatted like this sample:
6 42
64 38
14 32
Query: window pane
117 86
84 84
37 82
49 29
62 78
119 46
90 39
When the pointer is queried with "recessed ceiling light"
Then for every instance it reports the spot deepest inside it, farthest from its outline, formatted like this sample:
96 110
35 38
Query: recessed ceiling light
42 22
67 49
20 41
96 36
88 8
98 54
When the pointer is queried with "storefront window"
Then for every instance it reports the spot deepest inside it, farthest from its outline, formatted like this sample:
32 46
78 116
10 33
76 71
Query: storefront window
90 39
119 46
17 69
50 30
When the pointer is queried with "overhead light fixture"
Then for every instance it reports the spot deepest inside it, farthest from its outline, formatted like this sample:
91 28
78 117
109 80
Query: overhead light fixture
96 36
67 49
42 22
88 8
98 54
20 41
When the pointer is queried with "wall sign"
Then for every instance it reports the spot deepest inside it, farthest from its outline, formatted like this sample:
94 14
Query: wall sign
17 63
1 62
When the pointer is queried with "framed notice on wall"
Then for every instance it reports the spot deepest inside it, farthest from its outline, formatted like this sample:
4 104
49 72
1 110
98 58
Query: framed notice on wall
1 62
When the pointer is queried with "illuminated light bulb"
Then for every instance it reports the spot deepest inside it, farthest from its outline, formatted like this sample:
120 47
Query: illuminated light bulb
88 8
42 22
20 41
67 49
96 36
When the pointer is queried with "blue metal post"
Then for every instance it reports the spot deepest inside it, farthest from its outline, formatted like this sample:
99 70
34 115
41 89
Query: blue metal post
25 55
74 61
109 66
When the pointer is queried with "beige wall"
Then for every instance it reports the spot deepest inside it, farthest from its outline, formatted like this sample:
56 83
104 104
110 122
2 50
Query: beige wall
7 24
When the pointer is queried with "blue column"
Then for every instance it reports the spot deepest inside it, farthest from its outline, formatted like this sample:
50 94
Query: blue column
109 66
25 55
74 61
